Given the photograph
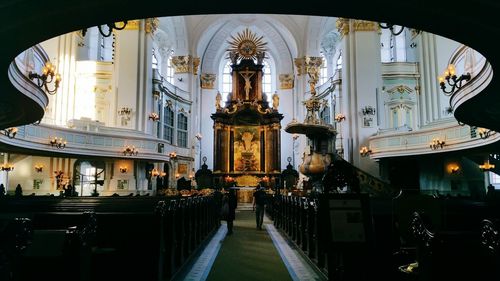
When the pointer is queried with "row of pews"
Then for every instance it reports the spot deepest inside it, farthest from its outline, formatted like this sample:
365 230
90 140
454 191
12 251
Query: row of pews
140 238
412 237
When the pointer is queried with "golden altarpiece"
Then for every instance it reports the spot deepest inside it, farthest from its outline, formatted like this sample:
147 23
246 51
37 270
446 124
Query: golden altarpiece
246 128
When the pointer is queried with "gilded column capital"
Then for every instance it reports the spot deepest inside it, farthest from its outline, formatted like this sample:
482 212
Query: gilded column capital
181 63
207 80
299 65
342 26
196 64
152 25
286 81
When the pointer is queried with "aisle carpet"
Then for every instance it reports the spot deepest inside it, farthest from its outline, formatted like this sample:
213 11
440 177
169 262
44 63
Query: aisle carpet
248 254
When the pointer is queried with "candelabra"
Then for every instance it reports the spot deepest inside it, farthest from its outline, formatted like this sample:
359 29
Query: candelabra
110 27
453 81
365 151
436 143
10 132
58 143
38 168
130 150
339 117
484 133
154 116
48 75
7 167
392 28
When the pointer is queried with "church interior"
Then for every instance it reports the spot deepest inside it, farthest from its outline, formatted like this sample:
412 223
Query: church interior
126 131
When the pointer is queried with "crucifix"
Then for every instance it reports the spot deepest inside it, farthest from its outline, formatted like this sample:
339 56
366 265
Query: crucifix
246 74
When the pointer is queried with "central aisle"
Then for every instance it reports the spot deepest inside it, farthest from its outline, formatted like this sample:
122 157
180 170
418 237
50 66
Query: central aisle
248 254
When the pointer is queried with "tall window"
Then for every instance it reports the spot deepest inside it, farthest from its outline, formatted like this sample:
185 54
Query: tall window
227 81
267 80
339 60
182 126
168 124
170 71
323 71
393 48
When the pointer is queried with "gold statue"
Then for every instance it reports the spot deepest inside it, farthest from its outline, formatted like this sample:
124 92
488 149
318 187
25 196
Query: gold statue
218 99
276 101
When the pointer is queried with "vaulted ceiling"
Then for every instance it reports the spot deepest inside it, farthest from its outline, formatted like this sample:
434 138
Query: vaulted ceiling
27 22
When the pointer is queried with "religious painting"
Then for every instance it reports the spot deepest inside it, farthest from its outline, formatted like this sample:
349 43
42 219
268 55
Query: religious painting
246 149
182 169
37 183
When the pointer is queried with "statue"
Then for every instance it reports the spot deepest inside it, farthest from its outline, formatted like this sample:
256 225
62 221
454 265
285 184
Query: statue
248 85
276 101
218 99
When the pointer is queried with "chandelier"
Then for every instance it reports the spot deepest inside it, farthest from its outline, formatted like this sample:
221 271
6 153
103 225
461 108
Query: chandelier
486 166
452 80
391 28
7 167
110 27
48 76
38 168
123 169
339 117
154 116
436 143
10 132
365 151
58 143
484 133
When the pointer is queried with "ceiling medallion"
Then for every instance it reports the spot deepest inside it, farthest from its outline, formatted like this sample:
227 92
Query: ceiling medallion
247 44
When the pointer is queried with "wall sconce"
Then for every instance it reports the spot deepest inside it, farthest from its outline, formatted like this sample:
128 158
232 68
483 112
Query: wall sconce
391 27
154 116
452 80
198 136
7 167
155 172
48 76
125 111
368 110
123 170
128 150
177 175
486 166
436 143
163 174
38 168
365 151
58 143
484 133
172 155
110 26
454 169
339 117
10 132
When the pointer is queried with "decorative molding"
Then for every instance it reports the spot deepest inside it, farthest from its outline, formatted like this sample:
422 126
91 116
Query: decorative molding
364 25
207 80
400 89
286 81
152 25
181 63
342 26
132 25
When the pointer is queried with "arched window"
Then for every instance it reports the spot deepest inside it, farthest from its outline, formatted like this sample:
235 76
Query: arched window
323 71
393 48
227 81
267 80
182 127
168 124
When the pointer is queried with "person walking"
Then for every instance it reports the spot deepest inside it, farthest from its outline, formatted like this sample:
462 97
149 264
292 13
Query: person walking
230 214
259 206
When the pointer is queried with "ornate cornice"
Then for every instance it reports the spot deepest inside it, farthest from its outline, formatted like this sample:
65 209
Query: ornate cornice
364 25
286 81
133 25
400 89
207 80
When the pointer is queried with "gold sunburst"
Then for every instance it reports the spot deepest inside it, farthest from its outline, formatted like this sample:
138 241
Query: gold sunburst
247 44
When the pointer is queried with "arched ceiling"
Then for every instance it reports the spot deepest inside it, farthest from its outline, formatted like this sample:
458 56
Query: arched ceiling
27 22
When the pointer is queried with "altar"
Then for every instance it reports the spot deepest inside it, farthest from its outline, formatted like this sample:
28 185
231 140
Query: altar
245 194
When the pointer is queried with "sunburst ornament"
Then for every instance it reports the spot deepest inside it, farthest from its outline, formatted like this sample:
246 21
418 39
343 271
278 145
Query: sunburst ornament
247 44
